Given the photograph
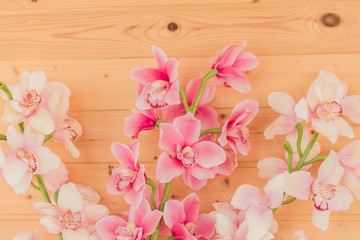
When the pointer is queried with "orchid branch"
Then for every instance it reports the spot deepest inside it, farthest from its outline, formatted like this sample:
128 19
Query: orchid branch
183 98
306 152
157 124
299 128
209 131
288 148
315 159
47 138
34 186
153 186
3 137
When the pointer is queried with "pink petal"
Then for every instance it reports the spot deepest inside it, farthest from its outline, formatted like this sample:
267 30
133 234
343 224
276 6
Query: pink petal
80 234
146 76
171 69
25 236
55 88
230 54
58 107
281 126
270 167
247 195
174 212
168 168
321 219
140 178
172 96
170 136
299 235
12 115
30 81
325 128
14 170
330 171
42 121
172 112
302 109
94 212
239 82
47 160
343 128
193 182
341 200
111 186
52 224
150 221
207 116
90 196
137 122
70 198
179 232
205 225
248 107
246 61
106 227
160 56
23 185
224 226
191 207
192 90
209 154
55 178
352 181
47 209
350 154
242 147
134 147
141 101
201 173
189 127
274 189
223 136
123 154
259 222
298 185
282 103
134 197
14 139
227 167
137 214
32 138
350 107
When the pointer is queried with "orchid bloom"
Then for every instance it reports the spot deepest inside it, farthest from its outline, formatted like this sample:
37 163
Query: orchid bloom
25 236
67 130
272 166
231 63
284 104
327 194
206 114
129 179
349 157
70 212
183 218
30 99
158 87
234 130
227 167
27 157
183 154
141 224
140 121
326 102
54 179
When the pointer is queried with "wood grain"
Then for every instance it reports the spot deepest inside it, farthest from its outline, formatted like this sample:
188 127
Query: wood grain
92 45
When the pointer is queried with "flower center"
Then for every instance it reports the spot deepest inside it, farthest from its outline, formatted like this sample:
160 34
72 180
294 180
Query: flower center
31 98
28 158
155 93
328 111
191 228
322 194
187 155
125 233
241 132
125 176
70 220
71 127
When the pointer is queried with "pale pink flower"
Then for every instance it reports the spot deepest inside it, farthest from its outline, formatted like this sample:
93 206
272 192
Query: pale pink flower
272 166
55 178
141 224
299 235
25 236
158 87
183 218
349 157
284 104
140 121
71 212
31 97
90 196
129 179
183 154
79 234
206 114
231 64
227 167
327 194
27 157
67 130
235 131
326 102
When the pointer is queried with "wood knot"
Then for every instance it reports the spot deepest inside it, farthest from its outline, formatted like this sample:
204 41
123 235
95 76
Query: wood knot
110 169
223 115
34 1
155 157
312 131
330 20
227 181
255 1
172 27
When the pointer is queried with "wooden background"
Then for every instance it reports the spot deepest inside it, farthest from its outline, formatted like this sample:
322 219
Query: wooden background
91 46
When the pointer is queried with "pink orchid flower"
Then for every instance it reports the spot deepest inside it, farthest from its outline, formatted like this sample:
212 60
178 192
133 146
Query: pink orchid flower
141 224
272 166
27 157
30 101
183 154
183 218
227 167
140 121
55 178
159 87
67 130
299 235
25 236
231 63
327 194
326 102
79 234
349 157
70 212
284 104
129 179
234 130
206 114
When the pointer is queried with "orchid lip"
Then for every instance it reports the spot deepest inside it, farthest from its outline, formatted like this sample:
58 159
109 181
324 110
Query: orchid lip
28 158
186 155
156 92
323 193
125 176
70 220
125 233
328 111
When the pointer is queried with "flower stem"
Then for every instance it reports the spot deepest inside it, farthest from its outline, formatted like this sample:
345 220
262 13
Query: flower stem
171 238
34 186
288 201
288 148
184 101
3 137
47 138
153 193
315 159
209 75
306 152
42 188
60 236
164 198
209 131
157 124
300 129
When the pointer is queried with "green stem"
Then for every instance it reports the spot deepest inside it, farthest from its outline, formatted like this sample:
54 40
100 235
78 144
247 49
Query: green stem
171 237
153 193
42 188
3 137
288 148
315 159
184 101
34 186
288 201
306 152
209 75
164 198
60 236
300 129
158 123
47 138
209 131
